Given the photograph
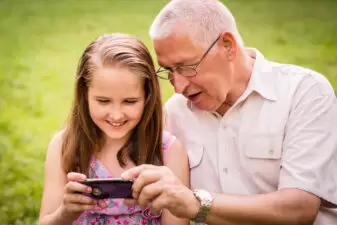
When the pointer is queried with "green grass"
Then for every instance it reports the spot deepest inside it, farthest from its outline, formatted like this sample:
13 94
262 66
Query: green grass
41 41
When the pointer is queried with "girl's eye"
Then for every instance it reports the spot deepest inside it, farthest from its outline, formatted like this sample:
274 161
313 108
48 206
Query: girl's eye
103 101
130 101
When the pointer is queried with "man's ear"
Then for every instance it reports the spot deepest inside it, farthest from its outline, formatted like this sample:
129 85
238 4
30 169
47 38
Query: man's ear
230 45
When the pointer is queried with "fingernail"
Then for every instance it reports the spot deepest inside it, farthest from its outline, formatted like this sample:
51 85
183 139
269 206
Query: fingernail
89 190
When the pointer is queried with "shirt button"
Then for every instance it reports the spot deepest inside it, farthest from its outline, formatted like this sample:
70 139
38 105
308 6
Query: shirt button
271 152
225 170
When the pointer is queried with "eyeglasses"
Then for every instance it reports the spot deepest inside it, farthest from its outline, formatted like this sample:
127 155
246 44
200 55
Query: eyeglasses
186 71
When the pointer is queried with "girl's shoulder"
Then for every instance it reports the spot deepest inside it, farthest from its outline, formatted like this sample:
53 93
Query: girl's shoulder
172 148
168 140
56 141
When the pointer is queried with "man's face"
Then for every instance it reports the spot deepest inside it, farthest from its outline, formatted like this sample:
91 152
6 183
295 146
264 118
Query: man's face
207 90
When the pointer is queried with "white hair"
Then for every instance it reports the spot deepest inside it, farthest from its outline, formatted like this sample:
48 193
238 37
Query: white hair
201 20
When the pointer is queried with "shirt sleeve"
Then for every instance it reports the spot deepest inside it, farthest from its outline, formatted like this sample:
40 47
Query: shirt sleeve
168 133
172 109
309 160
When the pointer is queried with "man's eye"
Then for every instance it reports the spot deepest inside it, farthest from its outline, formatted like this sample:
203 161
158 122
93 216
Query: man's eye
180 69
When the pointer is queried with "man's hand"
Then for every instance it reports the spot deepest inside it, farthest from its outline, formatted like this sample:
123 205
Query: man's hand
160 187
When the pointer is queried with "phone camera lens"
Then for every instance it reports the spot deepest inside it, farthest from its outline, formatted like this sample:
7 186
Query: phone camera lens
96 191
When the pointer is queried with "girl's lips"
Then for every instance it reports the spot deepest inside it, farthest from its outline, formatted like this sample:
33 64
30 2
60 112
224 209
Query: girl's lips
117 124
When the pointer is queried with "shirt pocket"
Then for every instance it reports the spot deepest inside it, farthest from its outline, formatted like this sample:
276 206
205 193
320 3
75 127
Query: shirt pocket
262 159
264 146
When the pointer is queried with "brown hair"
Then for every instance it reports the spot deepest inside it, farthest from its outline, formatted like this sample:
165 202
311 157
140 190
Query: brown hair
82 138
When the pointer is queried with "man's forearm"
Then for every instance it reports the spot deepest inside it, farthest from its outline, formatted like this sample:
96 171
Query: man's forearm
285 207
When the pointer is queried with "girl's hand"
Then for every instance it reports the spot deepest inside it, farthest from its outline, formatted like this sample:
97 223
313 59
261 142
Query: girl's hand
74 202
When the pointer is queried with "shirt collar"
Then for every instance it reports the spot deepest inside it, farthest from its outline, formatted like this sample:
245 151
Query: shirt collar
262 79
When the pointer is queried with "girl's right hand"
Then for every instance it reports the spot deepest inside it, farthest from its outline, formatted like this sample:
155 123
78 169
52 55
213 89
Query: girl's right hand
74 202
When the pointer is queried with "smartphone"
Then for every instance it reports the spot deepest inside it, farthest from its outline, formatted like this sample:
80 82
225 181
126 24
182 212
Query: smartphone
109 188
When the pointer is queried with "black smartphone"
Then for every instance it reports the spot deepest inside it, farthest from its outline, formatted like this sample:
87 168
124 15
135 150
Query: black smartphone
109 188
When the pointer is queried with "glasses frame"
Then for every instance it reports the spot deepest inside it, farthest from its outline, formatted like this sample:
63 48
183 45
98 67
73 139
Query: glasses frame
182 68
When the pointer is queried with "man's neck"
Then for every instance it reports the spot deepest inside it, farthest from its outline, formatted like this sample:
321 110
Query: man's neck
242 78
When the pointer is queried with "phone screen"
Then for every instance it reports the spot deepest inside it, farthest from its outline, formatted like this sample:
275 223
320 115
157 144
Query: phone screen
109 188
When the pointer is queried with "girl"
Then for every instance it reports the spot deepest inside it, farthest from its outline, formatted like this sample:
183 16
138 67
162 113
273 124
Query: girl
115 124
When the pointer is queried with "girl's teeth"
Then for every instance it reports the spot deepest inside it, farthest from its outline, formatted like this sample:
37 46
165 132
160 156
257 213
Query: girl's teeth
117 124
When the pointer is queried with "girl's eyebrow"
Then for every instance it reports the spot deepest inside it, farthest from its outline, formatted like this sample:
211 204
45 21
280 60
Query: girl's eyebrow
102 97
131 97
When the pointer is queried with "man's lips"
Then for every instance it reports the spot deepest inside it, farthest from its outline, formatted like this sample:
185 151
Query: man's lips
193 97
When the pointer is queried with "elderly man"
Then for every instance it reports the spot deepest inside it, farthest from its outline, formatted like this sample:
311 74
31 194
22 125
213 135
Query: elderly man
261 136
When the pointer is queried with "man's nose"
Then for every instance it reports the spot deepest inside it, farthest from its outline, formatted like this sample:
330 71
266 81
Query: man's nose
180 83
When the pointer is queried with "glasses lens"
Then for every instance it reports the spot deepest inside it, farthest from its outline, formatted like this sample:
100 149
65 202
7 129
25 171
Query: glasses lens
164 74
187 71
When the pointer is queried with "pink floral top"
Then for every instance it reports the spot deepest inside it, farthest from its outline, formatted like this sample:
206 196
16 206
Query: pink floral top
117 213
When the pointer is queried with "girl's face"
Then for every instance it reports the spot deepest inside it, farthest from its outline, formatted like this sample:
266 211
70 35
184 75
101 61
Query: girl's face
116 101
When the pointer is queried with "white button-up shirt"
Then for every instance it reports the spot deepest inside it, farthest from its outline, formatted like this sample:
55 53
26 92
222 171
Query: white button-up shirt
281 133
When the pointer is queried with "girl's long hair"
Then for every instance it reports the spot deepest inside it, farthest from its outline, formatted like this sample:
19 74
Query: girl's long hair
82 138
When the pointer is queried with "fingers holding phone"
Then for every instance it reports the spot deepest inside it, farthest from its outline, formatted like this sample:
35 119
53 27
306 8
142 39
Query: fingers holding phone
74 200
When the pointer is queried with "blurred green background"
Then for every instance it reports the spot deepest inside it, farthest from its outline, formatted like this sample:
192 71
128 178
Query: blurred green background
41 42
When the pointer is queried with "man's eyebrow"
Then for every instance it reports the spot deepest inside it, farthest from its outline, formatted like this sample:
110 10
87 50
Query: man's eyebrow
161 64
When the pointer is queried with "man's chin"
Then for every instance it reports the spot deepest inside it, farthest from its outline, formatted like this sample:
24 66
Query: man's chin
203 106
